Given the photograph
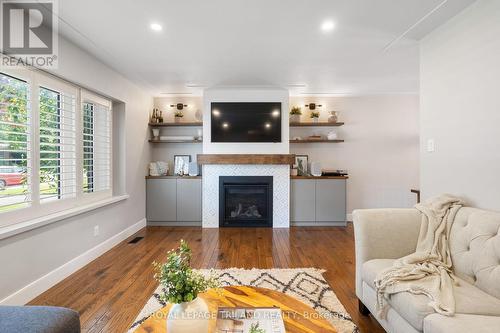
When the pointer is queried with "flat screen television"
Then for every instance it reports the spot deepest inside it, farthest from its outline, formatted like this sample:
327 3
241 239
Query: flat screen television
246 122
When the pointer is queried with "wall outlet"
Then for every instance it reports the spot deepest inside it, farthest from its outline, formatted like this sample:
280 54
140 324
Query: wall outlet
431 147
96 231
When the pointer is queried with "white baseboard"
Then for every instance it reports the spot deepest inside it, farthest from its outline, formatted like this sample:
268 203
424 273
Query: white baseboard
35 288
349 217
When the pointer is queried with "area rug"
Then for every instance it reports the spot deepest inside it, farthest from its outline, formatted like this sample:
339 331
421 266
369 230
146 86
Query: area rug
305 284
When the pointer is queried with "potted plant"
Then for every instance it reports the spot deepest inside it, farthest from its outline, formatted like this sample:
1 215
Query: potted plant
314 116
181 286
178 116
295 114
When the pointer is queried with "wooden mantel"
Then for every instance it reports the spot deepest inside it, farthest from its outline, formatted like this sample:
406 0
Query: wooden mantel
288 159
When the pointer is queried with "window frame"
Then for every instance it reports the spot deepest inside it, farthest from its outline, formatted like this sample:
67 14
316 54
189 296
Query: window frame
35 209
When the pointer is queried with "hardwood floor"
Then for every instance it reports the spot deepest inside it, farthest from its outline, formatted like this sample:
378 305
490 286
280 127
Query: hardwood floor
110 291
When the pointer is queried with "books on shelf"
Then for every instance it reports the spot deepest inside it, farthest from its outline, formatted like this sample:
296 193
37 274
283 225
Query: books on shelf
249 320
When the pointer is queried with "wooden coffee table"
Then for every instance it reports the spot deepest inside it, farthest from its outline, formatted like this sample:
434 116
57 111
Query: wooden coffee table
297 316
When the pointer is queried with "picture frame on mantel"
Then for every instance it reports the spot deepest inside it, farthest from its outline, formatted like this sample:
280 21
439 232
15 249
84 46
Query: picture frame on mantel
181 164
301 162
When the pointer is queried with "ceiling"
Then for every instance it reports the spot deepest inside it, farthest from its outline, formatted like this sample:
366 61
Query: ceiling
259 43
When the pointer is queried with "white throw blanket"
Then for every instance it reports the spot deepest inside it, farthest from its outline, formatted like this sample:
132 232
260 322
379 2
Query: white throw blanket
428 271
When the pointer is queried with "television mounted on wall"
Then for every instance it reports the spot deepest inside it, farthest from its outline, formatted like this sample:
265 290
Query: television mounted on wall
245 122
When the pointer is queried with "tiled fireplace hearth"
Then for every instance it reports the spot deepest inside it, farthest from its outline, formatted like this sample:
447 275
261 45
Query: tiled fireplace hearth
214 173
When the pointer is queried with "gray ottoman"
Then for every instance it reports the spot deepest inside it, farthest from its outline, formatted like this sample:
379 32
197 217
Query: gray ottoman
38 319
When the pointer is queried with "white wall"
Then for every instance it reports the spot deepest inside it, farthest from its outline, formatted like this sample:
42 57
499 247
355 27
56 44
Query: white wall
460 106
245 95
166 152
32 255
381 148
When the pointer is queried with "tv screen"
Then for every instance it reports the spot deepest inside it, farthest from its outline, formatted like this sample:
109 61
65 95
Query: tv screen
246 122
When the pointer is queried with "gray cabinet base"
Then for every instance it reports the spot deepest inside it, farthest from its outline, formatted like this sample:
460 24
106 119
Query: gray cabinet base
318 224
174 224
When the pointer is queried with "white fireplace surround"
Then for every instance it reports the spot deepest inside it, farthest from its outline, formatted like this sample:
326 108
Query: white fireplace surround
281 190
211 172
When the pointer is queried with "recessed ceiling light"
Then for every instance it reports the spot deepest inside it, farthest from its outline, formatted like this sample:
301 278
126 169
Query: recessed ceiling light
275 113
156 27
327 26
268 125
225 125
216 113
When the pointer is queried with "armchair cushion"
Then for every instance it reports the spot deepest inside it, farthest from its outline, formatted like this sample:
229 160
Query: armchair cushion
469 299
461 323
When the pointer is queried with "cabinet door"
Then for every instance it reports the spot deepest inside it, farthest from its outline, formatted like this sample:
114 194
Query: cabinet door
189 200
161 200
330 200
302 198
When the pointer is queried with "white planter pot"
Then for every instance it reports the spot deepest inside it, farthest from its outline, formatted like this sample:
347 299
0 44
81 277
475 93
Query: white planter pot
295 118
188 317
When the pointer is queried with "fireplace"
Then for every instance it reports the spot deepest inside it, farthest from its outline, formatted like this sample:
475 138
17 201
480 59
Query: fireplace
245 201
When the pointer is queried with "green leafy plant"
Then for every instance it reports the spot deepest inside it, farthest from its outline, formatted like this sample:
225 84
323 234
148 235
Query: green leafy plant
180 283
178 114
254 328
314 114
296 111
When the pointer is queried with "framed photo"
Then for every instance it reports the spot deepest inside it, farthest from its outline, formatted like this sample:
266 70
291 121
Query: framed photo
181 164
301 162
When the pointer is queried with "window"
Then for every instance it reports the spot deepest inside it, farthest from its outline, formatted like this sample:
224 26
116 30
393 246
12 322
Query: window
57 172
47 143
15 150
96 144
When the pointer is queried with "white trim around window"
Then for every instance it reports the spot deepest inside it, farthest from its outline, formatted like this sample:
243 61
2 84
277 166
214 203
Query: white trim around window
54 157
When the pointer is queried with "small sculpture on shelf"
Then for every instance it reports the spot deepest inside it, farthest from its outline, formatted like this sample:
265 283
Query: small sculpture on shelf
295 114
156 116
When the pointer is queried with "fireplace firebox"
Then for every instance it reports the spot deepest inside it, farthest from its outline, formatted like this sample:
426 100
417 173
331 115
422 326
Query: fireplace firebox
246 201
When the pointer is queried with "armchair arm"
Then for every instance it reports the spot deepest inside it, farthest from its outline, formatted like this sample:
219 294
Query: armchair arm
384 234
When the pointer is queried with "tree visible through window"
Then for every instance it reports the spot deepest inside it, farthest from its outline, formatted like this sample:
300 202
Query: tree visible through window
14 143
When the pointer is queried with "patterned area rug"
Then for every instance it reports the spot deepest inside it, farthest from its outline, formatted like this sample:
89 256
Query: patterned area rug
304 284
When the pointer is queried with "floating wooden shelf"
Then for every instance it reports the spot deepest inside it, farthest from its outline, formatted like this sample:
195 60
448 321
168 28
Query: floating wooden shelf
316 141
175 141
176 124
311 124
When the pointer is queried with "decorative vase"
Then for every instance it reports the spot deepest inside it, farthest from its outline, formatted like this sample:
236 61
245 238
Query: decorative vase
295 118
333 117
177 119
198 115
315 120
188 317
156 133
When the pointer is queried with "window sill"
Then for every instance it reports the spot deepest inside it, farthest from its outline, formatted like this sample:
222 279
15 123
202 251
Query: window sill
11 230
